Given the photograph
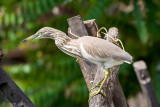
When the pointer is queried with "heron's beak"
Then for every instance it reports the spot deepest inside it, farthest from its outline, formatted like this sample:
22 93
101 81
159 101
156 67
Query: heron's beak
31 37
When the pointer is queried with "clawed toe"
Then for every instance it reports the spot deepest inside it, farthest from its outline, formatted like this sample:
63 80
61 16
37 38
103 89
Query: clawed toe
95 93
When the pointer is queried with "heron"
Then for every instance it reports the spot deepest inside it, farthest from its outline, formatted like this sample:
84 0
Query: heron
96 50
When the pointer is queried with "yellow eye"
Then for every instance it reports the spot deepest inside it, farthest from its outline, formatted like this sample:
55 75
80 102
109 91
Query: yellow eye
39 33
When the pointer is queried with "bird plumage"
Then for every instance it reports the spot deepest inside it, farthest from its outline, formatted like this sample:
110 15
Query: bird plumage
96 50
99 50
89 48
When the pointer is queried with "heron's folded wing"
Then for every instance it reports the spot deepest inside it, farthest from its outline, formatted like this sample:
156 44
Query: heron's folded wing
104 49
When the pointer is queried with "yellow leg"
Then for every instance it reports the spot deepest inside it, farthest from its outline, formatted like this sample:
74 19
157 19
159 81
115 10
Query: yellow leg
107 73
97 85
98 32
115 41
77 60
73 34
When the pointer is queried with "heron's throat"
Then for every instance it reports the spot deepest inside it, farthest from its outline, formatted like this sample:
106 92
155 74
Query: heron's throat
60 37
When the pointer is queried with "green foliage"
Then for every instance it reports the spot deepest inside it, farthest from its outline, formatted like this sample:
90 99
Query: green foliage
140 24
48 76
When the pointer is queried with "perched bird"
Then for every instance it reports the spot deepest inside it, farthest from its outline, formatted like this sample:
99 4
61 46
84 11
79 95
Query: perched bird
95 50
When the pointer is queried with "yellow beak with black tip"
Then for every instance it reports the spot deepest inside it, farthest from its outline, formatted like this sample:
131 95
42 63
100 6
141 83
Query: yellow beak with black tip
31 38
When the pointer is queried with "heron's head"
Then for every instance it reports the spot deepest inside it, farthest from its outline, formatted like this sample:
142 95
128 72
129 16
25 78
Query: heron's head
45 32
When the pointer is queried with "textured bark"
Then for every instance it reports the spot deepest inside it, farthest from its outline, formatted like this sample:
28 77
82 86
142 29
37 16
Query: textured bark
145 82
119 99
91 28
99 100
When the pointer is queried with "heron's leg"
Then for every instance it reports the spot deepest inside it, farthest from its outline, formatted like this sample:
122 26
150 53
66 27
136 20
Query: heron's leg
77 60
96 85
98 32
73 34
115 41
107 73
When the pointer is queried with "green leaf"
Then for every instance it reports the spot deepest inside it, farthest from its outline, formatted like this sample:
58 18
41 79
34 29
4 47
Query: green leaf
38 8
97 10
6 19
51 3
31 10
20 19
25 12
140 24
13 19
152 10
45 6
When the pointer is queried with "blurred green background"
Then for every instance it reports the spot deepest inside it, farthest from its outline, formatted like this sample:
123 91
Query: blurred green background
51 78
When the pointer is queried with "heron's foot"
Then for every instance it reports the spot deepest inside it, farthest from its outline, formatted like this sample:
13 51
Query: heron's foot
100 84
96 85
96 92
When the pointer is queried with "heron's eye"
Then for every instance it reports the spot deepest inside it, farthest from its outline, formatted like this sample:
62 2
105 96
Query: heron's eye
39 33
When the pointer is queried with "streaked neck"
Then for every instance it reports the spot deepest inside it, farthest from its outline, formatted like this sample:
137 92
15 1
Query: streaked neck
61 39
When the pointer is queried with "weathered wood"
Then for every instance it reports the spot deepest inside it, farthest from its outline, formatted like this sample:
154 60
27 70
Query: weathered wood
88 70
77 27
2 98
99 100
91 27
111 83
12 92
144 79
119 98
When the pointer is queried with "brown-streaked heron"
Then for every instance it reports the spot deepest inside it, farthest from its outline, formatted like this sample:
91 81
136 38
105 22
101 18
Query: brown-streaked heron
95 50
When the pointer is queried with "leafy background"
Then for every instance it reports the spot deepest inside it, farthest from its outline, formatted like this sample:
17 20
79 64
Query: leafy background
48 76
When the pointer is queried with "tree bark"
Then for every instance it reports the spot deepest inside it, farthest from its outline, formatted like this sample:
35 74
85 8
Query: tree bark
119 98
